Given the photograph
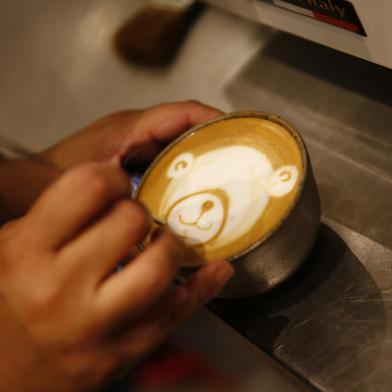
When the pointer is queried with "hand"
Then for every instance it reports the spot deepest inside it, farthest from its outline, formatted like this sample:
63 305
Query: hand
134 136
67 323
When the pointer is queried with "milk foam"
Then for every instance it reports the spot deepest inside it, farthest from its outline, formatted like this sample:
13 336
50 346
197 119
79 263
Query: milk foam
215 198
197 218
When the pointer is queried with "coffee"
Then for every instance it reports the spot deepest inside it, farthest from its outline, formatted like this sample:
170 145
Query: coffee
227 185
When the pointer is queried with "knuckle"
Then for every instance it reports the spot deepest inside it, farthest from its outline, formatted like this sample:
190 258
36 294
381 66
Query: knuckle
11 253
88 179
134 216
118 115
131 221
40 304
160 279
173 249
161 282
121 118
193 103
126 229
130 210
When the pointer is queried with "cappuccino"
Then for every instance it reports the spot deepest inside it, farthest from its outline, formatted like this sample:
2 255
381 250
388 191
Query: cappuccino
227 185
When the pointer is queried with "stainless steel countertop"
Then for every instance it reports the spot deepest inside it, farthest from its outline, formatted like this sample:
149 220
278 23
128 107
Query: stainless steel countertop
331 324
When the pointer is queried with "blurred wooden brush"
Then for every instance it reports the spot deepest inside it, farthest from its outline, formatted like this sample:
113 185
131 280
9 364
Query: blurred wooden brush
153 35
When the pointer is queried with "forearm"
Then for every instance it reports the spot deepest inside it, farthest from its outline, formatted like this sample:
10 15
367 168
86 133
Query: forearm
21 182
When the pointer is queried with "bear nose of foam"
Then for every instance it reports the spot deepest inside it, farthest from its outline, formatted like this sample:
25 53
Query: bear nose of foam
207 205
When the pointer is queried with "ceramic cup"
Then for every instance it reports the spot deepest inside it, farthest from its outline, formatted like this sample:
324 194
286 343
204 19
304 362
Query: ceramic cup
272 259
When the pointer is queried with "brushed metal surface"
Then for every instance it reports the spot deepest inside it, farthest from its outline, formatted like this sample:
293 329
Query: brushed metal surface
343 108
331 323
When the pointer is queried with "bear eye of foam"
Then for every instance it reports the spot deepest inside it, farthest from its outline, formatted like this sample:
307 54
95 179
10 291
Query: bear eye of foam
225 186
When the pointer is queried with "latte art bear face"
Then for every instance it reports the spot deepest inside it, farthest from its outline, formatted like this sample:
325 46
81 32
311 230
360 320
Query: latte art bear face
197 218
226 186
217 197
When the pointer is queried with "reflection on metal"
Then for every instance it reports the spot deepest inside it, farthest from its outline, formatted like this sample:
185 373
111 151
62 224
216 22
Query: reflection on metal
331 323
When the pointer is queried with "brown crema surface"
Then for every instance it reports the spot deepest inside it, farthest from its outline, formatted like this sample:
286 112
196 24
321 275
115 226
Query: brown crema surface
268 137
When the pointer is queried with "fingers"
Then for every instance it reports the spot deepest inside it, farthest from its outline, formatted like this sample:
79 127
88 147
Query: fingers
75 200
201 287
97 250
160 124
163 122
143 281
178 304
152 328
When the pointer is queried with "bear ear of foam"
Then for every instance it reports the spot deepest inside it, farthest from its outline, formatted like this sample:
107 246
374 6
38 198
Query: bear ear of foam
282 181
180 165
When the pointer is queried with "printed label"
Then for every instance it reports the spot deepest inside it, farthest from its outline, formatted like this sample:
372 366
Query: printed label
339 13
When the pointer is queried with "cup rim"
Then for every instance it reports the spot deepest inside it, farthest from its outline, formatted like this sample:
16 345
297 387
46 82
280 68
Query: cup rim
244 114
